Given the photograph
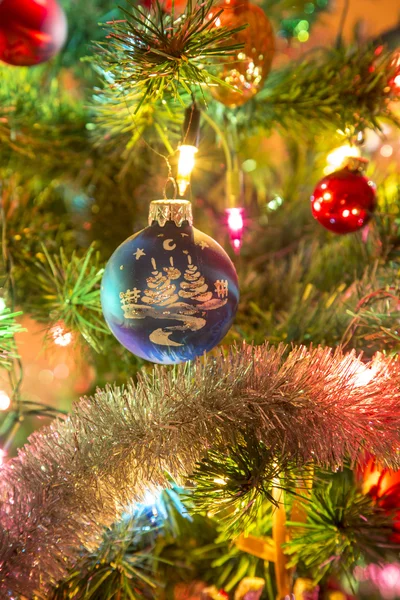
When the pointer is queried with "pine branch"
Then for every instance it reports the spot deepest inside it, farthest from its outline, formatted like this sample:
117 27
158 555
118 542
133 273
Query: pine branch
233 487
339 89
46 119
8 328
343 528
151 54
68 293
328 290
147 553
122 567
346 89
75 476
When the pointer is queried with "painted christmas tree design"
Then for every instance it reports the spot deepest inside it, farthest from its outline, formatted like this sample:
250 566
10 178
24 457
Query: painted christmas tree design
161 291
195 288
162 300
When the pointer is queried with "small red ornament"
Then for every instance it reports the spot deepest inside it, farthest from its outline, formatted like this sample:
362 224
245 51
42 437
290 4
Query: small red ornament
31 31
383 485
248 69
166 5
345 200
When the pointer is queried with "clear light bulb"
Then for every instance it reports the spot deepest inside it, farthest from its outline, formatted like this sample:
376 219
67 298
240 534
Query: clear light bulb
338 155
61 337
185 167
5 400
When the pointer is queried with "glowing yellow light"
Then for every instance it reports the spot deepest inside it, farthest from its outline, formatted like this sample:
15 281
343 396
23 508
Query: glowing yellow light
386 150
5 400
303 36
185 167
336 157
327 196
61 337
220 481
317 206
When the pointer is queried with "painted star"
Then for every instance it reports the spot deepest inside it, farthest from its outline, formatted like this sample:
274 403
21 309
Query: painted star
139 252
203 245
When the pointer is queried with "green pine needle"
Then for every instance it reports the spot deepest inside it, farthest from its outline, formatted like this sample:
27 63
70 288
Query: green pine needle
8 328
156 54
67 291
121 568
328 88
234 487
343 527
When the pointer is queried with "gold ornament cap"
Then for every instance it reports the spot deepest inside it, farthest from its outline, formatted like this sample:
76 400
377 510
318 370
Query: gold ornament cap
355 163
178 211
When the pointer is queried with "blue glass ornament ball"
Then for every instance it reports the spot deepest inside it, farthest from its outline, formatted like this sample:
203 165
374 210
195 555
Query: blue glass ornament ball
169 293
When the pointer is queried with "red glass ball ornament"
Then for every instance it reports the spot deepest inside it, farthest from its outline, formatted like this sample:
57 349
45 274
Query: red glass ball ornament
383 485
247 70
166 5
345 200
31 31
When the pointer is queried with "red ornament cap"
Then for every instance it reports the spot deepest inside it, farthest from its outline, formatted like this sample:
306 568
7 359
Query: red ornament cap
355 163
344 201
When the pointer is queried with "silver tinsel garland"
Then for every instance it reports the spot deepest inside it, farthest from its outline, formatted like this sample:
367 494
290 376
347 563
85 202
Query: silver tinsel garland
76 476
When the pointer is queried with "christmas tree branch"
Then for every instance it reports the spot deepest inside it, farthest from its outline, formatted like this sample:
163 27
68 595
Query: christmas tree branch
348 88
8 328
68 293
75 477
154 53
343 527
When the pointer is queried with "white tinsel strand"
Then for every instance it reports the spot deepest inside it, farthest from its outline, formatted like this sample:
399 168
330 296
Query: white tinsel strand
76 476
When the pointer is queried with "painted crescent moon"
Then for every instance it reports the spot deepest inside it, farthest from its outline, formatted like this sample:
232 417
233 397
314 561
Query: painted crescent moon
169 245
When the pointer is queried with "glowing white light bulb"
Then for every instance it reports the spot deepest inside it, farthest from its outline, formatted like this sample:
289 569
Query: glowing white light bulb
185 167
61 337
5 400
150 497
338 155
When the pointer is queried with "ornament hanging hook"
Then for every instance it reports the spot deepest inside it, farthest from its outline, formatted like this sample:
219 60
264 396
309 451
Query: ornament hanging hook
173 182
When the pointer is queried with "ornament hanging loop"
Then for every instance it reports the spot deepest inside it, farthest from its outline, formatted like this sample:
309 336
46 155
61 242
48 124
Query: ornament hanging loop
172 181
358 139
